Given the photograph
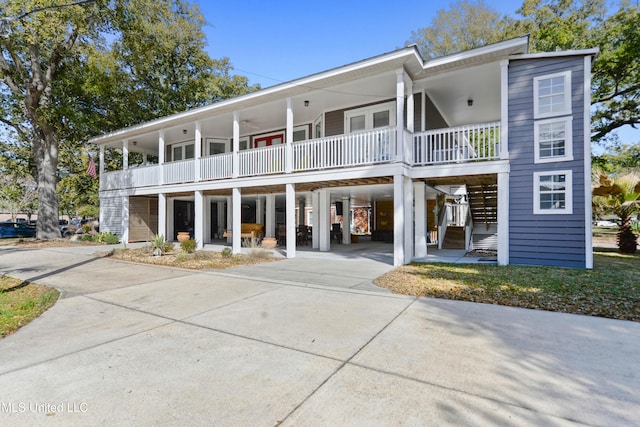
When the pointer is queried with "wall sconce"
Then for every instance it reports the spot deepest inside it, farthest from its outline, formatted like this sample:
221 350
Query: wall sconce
470 102
184 131
306 103
135 143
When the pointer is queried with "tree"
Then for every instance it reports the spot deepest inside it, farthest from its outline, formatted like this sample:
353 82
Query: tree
620 196
68 72
466 25
557 25
17 194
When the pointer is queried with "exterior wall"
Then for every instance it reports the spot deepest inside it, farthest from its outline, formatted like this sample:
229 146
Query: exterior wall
485 237
434 119
557 239
111 215
334 120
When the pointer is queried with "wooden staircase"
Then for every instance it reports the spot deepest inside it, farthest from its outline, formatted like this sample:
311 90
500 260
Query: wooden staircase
454 238
483 203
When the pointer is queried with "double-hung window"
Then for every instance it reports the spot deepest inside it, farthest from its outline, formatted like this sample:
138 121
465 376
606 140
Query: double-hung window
552 192
552 95
553 140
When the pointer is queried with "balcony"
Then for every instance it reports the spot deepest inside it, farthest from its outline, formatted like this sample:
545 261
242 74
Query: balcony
450 145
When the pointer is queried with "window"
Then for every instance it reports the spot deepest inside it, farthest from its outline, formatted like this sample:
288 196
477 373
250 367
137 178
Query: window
216 146
553 140
552 95
182 151
375 116
553 192
300 133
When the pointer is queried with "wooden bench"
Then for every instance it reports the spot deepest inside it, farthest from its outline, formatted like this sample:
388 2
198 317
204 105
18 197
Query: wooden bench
247 230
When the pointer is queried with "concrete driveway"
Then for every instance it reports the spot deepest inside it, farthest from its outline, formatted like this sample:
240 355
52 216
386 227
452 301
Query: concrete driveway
299 344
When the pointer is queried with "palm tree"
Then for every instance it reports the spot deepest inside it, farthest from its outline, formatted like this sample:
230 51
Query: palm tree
620 196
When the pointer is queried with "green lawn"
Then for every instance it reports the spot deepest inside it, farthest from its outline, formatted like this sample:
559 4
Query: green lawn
611 289
21 302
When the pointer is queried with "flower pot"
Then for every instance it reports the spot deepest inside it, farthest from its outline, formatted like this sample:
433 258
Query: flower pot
269 243
183 236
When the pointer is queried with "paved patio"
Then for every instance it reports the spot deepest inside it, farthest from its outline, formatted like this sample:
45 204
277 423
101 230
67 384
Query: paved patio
302 342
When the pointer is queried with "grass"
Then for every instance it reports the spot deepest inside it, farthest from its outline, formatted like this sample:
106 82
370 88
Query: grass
611 289
21 302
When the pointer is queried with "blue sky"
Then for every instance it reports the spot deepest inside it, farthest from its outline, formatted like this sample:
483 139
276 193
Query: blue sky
275 41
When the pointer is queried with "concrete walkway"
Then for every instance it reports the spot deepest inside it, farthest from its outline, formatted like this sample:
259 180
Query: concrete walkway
298 343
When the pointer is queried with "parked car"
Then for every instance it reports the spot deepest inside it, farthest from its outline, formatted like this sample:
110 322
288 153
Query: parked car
604 223
15 229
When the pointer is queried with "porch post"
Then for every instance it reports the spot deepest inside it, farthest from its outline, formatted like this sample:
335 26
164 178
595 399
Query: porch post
170 218
198 218
291 220
197 144
315 223
236 206
400 115
125 219
410 107
398 220
229 225
420 219
289 139
161 151
162 215
324 220
504 109
259 210
503 218
408 220
235 166
346 221
125 154
101 160
270 229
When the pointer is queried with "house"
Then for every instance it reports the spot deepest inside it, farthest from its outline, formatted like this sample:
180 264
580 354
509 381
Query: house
488 148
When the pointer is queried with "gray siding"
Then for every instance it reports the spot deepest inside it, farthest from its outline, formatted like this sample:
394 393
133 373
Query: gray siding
557 240
111 215
434 119
485 237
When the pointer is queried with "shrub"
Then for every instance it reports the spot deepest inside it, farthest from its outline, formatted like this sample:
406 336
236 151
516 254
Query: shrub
226 252
107 238
160 245
86 238
189 246
86 228
181 257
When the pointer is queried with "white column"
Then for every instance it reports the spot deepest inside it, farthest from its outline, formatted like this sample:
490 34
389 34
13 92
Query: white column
324 220
420 220
161 151
198 150
206 220
315 204
398 220
291 219
504 109
503 218
198 218
236 145
346 221
170 216
229 225
101 160
162 214
289 139
125 154
270 216
125 219
236 207
410 107
259 210
423 121
408 220
400 115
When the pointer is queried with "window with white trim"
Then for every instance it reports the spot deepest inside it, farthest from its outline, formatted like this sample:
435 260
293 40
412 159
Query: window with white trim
372 117
553 192
552 95
553 140
182 151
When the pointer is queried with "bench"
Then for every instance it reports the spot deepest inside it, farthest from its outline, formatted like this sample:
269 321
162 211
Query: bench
247 230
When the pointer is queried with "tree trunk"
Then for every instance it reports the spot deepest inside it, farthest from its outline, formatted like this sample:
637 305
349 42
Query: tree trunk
627 240
46 157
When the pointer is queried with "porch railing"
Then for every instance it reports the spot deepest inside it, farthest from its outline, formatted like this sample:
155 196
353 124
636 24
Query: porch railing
218 166
130 178
457 144
180 171
353 149
262 161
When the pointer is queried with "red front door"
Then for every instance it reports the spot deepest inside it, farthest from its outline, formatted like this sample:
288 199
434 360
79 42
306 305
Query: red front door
265 141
